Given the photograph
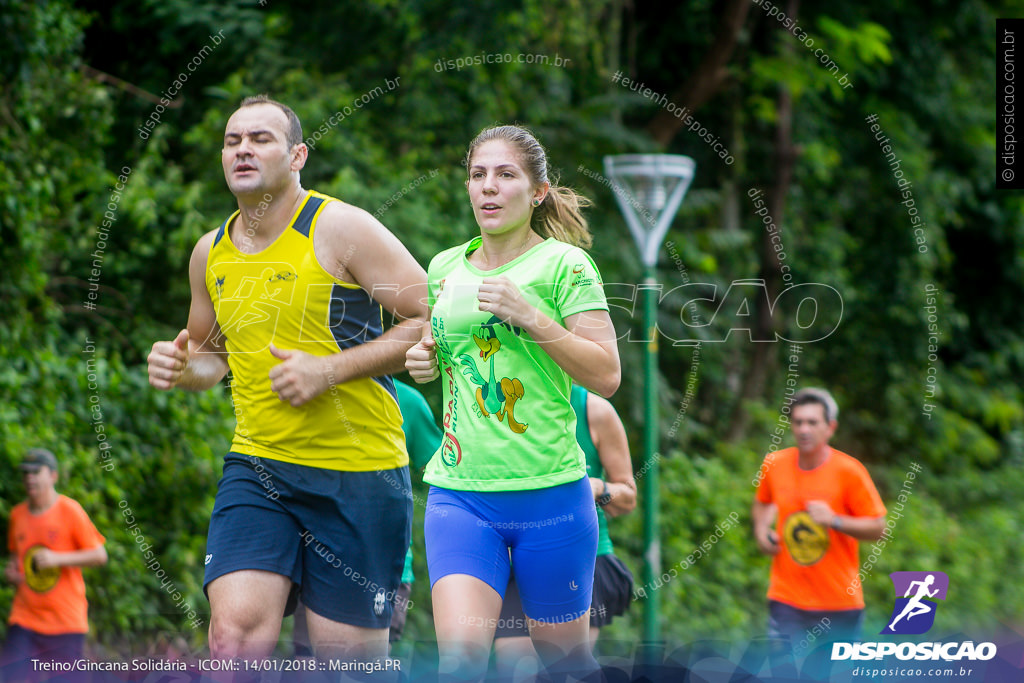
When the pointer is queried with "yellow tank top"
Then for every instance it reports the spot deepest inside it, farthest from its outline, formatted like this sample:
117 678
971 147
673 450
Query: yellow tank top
282 295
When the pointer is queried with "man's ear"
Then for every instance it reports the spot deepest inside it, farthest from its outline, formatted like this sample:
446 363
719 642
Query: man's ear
300 153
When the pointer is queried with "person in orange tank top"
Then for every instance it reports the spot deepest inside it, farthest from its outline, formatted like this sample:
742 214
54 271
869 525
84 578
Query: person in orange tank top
50 539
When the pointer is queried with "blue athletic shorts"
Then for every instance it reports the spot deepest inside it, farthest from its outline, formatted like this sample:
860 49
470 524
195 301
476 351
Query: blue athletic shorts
613 589
551 534
339 536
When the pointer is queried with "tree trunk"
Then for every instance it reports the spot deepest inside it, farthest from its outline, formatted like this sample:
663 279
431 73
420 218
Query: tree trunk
764 356
708 78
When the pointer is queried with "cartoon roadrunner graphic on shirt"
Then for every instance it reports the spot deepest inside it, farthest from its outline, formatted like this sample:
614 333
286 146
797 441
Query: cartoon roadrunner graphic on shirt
492 395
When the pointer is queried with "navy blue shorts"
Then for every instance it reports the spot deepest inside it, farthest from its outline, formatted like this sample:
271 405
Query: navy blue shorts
23 645
339 536
551 534
786 621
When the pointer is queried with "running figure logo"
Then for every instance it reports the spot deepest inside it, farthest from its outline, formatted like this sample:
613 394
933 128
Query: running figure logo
914 612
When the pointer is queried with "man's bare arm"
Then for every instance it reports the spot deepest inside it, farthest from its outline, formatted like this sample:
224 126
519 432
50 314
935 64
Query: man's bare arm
861 528
763 516
613 451
194 360
91 557
354 247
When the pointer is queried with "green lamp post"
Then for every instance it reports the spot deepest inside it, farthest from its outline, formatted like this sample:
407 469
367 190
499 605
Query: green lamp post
649 189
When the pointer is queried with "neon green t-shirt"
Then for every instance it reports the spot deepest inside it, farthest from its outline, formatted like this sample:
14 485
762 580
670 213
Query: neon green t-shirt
507 422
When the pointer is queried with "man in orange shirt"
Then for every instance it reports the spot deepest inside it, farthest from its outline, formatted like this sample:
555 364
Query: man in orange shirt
825 502
50 538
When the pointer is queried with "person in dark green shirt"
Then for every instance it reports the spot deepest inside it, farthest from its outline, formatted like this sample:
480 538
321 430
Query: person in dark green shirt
422 439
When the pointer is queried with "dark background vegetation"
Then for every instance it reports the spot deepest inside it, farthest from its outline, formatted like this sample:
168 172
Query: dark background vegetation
77 79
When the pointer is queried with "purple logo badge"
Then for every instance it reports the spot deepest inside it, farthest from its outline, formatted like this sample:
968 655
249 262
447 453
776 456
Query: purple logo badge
916 595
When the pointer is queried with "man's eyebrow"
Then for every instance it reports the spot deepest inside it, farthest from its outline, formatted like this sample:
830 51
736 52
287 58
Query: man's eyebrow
251 134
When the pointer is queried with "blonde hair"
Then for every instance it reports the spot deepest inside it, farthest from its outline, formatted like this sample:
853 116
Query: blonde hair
559 215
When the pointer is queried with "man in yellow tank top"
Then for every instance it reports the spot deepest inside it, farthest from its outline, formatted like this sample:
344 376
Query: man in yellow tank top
288 294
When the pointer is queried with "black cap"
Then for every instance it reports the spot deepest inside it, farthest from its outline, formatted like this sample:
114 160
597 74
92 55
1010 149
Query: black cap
38 457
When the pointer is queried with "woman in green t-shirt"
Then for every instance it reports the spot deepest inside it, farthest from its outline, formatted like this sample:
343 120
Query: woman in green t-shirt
517 314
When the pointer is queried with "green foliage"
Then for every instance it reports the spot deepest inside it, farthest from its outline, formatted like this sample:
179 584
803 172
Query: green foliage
125 452
48 114
708 561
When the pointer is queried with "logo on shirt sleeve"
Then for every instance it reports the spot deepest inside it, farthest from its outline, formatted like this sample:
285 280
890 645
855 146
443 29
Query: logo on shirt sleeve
580 277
